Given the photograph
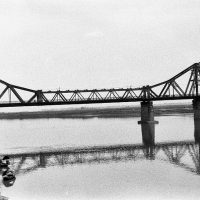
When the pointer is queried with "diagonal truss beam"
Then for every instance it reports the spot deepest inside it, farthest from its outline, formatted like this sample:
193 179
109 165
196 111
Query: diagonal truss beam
4 91
16 94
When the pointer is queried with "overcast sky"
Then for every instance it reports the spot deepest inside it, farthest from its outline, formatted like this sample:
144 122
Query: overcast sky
77 44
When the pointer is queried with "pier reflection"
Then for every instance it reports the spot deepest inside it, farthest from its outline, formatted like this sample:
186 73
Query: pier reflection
183 154
197 130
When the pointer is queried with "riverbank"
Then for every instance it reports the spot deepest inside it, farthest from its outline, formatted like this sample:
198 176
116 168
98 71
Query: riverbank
110 112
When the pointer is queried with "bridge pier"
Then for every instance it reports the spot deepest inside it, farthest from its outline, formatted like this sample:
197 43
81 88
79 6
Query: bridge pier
147 123
196 110
42 160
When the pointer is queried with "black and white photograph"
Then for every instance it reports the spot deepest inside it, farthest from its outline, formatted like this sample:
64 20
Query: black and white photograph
99 100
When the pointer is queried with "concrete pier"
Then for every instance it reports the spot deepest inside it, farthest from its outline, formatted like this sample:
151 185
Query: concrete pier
147 123
148 134
196 110
42 161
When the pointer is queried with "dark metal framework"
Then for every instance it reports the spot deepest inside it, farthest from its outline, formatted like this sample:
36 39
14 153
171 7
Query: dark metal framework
174 153
171 89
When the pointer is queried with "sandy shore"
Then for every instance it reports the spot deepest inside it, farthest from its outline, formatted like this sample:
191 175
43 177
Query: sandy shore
97 112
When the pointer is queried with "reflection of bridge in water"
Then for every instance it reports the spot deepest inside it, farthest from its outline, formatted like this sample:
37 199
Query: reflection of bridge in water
185 154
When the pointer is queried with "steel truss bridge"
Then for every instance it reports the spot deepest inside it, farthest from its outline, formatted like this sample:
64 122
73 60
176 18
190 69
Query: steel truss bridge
185 154
184 85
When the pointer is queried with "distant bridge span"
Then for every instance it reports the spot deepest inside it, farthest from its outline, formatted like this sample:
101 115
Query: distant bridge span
184 85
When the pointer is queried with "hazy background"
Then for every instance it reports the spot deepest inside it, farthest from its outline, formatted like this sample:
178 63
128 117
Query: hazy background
77 44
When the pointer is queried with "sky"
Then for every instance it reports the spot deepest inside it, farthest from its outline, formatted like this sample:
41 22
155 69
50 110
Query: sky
85 44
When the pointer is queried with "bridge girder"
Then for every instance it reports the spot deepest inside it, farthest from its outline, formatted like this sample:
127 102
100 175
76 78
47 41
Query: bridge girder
171 89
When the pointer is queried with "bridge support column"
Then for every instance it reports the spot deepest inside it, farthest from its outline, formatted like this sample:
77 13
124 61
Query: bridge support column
196 110
39 96
147 123
42 162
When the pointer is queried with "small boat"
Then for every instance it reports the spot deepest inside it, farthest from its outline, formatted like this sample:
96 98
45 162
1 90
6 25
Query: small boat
8 183
8 175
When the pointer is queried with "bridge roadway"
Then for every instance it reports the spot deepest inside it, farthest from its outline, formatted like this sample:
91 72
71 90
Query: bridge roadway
172 152
172 89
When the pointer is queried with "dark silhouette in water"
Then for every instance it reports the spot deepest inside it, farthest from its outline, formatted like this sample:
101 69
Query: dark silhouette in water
8 183
4 163
7 174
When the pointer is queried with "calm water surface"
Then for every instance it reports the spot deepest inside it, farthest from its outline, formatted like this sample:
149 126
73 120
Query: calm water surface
163 177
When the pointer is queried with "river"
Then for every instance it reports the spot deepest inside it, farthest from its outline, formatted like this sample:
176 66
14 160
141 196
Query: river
105 177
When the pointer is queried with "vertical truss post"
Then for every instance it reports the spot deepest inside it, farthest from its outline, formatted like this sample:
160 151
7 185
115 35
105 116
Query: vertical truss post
196 79
9 94
144 92
147 123
39 96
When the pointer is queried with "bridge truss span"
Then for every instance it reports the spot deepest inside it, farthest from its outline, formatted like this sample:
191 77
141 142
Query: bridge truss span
184 85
